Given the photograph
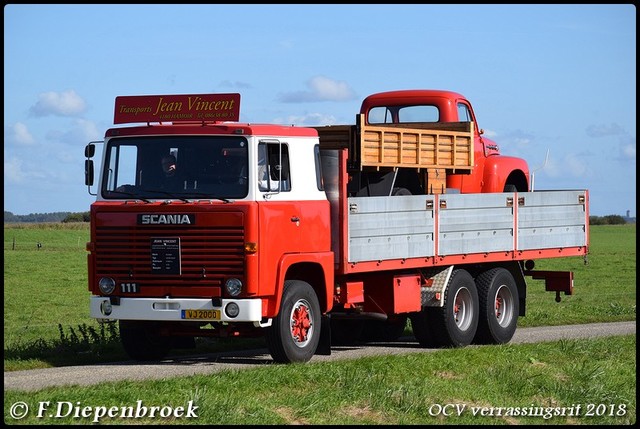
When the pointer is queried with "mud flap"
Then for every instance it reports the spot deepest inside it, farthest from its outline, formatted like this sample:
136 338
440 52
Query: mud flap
324 346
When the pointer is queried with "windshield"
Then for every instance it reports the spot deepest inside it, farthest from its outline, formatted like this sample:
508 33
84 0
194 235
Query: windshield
176 167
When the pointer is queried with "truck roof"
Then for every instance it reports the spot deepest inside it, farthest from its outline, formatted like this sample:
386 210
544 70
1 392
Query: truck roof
407 96
213 128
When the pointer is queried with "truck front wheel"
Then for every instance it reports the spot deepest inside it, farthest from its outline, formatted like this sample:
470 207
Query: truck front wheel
141 340
499 307
295 332
455 324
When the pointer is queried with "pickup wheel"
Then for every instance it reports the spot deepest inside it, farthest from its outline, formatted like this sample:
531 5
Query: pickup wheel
142 341
499 307
401 191
455 324
295 332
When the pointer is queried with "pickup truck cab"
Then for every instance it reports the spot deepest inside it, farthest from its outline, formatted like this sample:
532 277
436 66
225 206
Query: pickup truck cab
492 172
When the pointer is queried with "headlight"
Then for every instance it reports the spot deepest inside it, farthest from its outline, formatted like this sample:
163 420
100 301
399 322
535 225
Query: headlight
233 286
107 285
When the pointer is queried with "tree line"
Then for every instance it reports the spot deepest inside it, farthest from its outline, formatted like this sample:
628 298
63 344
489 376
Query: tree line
65 217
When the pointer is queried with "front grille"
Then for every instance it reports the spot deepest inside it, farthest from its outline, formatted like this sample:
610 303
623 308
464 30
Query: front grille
208 255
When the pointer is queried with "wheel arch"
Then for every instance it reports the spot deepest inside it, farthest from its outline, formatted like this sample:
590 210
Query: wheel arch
518 180
315 269
500 171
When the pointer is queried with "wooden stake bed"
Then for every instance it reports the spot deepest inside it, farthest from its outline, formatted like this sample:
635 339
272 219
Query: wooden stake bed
447 146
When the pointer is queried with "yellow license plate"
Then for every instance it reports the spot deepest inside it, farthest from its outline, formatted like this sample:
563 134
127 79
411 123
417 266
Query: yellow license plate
201 314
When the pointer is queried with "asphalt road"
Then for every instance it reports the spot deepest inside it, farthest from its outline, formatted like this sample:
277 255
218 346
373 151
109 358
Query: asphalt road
32 380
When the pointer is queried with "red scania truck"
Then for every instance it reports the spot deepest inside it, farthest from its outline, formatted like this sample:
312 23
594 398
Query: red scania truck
317 235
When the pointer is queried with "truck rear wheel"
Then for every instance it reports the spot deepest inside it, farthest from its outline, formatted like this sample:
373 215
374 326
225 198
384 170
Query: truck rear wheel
142 341
295 332
455 324
499 307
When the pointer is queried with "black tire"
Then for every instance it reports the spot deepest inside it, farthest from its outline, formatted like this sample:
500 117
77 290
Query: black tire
401 191
499 307
384 330
510 188
455 324
141 340
295 332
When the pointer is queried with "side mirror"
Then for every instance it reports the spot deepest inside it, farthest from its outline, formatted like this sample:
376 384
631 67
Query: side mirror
89 150
88 172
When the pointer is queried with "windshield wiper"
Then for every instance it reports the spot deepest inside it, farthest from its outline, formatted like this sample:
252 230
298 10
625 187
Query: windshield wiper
209 197
169 194
132 195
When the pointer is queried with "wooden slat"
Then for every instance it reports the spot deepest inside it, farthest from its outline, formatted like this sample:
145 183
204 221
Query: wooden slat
443 146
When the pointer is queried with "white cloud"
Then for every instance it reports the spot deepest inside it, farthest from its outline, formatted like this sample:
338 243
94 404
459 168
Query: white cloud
570 165
13 172
489 134
19 134
83 132
612 129
629 151
67 103
321 88
309 120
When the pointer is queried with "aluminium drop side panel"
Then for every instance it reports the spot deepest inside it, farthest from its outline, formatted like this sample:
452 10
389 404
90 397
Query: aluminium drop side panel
475 223
552 219
396 227
491 225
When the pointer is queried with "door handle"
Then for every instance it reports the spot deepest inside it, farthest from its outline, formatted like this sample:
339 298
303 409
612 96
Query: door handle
295 219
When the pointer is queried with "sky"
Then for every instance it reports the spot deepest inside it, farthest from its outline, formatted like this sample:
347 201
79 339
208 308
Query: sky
553 84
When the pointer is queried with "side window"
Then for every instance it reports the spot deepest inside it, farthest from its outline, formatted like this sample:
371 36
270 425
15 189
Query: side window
121 169
464 115
273 167
379 115
318 162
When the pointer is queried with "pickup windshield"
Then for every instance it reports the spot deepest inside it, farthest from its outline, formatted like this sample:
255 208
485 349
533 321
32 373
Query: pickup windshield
403 114
178 167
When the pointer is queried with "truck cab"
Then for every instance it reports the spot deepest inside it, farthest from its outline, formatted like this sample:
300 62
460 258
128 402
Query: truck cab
492 171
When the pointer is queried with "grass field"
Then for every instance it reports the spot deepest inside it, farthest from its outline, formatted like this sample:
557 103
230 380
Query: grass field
46 308
564 382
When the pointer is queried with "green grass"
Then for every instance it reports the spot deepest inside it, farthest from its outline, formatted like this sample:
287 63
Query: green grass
46 308
568 376
604 288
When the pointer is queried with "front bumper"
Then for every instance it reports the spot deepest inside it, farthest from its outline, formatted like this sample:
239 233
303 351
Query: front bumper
172 309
